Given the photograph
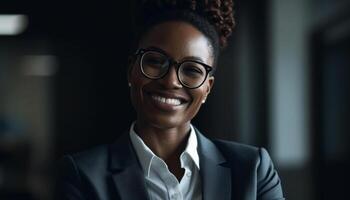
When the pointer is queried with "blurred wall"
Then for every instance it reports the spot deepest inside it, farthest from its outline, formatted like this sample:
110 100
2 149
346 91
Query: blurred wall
26 120
289 84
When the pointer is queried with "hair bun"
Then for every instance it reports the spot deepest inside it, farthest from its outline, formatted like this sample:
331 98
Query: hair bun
219 13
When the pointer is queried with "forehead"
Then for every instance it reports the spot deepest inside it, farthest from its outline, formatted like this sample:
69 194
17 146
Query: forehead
179 40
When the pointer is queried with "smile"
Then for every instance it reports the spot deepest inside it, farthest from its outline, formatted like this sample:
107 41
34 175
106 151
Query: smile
167 101
170 101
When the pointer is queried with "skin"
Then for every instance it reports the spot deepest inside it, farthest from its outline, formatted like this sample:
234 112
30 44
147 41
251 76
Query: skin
166 131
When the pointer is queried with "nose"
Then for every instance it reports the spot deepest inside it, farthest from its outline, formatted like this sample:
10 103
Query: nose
170 80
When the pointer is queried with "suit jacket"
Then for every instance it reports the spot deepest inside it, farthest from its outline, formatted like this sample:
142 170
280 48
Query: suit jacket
111 172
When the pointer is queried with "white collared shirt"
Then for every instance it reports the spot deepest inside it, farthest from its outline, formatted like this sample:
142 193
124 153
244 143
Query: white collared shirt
161 184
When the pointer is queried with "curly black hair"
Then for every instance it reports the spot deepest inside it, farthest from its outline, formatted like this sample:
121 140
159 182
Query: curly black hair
214 18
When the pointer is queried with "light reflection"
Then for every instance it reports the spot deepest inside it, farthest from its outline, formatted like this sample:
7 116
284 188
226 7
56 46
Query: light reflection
39 65
13 24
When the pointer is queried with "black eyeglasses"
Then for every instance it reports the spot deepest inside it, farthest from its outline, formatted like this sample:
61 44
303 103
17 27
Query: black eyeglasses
155 64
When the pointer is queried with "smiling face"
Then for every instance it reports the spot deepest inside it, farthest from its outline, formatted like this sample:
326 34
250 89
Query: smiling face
165 103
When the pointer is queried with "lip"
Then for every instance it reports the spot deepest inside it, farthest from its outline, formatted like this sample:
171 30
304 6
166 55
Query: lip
165 106
169 95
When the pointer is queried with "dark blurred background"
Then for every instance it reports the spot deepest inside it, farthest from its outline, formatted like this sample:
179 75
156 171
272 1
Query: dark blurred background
283 83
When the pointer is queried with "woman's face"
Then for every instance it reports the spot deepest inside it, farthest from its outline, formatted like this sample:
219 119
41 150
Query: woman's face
165 103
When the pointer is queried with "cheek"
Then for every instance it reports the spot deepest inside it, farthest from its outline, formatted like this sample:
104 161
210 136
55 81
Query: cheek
137 82
197 97
135 76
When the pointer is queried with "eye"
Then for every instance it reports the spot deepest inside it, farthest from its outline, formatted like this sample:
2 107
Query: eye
192 69
154 59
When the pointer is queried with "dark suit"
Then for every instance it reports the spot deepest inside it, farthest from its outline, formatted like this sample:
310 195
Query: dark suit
228 171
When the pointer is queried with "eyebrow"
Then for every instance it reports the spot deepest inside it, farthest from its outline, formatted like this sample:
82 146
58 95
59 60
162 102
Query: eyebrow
158 49
195 58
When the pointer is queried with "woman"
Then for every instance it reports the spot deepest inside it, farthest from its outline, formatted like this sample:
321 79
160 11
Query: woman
163 156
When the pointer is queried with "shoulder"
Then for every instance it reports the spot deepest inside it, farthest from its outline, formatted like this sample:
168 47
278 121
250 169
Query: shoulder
89 156
88 164
74 171
230 148
236 152
252 163
88 160
248 155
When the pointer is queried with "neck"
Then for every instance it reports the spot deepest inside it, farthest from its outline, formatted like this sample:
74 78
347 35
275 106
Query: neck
166 143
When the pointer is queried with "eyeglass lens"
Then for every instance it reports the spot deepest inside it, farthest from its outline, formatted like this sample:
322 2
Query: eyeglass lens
155 65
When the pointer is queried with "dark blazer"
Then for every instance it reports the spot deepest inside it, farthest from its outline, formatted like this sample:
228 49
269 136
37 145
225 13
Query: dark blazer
110 172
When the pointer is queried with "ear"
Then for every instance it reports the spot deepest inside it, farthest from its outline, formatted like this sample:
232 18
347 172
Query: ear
211 84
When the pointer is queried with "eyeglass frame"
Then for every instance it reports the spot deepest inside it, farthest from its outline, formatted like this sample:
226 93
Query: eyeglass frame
141 52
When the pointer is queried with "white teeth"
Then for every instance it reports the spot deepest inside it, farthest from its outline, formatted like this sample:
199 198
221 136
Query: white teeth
170 101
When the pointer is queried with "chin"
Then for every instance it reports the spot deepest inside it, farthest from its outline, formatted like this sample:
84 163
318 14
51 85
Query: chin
163 122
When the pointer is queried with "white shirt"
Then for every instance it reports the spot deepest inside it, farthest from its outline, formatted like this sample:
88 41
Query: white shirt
161 184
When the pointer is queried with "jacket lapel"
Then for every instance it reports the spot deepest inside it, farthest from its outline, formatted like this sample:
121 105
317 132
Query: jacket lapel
128 177
126 171
216 178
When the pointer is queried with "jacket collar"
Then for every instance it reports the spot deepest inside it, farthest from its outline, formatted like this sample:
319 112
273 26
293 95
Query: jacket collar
126 171
216 178
128 176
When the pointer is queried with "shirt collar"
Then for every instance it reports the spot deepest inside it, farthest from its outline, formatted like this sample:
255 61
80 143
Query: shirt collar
191 148
145 154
